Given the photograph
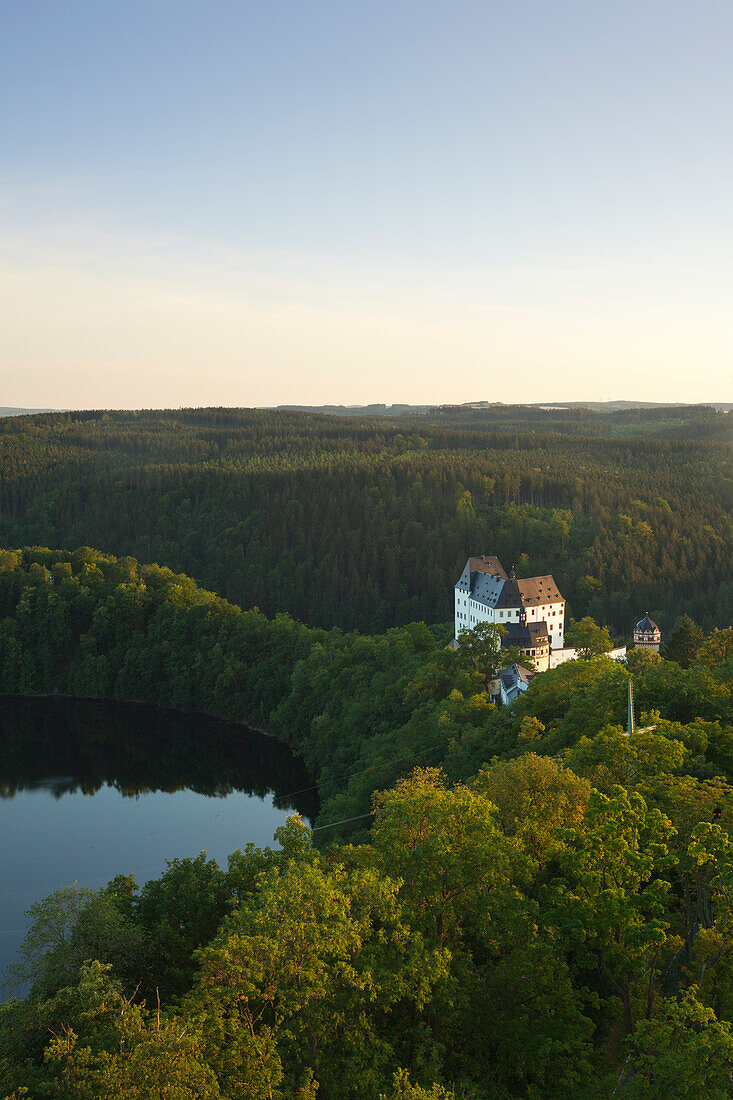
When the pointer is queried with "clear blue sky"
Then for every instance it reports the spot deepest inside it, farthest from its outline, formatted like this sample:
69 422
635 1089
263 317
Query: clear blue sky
259 203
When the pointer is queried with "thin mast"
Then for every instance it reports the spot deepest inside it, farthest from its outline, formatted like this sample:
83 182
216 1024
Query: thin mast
630 725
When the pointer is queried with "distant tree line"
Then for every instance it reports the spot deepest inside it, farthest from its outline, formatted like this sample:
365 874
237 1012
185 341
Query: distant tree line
666 421
366 524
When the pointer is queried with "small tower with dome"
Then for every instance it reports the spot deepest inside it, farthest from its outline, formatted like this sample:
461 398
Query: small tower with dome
647 634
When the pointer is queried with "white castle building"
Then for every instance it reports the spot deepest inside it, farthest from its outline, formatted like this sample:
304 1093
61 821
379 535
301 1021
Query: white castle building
531 610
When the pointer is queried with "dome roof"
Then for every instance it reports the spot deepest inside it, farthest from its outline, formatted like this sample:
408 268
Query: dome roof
646 625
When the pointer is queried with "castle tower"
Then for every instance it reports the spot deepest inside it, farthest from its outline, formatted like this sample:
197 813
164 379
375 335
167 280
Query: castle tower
647 634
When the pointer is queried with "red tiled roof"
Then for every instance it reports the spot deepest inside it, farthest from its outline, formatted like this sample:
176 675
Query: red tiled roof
487 564
539 590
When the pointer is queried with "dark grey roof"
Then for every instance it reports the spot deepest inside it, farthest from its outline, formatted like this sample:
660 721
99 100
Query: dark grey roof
510 675
510 595
512 678
464 581
486 588
647 625
525 634
486 565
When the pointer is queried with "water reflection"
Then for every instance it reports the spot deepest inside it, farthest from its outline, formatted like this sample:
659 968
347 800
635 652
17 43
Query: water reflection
68 745
89 790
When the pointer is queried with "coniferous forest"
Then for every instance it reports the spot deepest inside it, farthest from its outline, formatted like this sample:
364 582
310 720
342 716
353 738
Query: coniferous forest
524 901
366 524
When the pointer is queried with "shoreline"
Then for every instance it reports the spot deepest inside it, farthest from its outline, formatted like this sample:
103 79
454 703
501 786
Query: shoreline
142 703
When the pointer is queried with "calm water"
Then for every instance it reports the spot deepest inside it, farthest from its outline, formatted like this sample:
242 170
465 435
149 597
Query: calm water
89 790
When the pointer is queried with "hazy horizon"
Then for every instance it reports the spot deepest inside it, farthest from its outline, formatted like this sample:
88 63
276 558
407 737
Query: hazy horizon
18 410
258 205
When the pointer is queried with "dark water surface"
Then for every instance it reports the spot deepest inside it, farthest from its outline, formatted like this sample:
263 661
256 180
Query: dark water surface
89 790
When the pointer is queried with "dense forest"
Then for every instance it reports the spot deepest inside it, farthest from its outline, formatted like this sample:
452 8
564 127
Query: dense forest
495 902
526 901
358 708
366 523
612 419
600 420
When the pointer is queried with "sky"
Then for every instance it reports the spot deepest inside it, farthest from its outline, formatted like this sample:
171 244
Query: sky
262 202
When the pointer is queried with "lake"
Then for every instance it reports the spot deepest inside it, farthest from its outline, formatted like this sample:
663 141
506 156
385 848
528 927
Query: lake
89 790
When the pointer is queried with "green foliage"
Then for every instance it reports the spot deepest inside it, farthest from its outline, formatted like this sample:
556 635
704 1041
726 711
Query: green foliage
481 650
589 639
504 926
467 887
403 1089
180 912
366 523
717 650
684 642
639 660
302 980
125 1051
684 1051
611 908
535 796
614 757
448 852
45 954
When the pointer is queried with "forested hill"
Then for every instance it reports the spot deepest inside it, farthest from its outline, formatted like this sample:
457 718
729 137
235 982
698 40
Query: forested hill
361 710
610 419
366 523
542 908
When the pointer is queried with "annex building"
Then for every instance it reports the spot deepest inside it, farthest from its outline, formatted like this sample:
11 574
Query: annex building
532 610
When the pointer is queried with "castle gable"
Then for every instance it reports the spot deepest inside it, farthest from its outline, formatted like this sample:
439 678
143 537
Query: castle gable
482 578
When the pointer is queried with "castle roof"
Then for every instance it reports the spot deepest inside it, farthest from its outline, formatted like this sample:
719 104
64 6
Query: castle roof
516 672
539 590
525 634
485 579
510 595
487 564
486 588
482 578
513 680
646 625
